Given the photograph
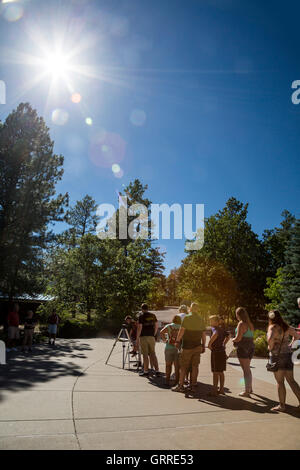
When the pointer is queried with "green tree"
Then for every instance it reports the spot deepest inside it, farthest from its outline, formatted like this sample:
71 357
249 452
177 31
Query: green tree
230 241
291 277
209 283
82 217
276 241
29 171
274 290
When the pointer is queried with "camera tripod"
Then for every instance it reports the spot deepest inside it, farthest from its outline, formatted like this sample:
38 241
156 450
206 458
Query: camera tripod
124 338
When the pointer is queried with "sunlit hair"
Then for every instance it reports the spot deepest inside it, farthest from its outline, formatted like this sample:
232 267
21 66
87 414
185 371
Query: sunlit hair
128 317
276 319
194 307
144 307
176 320
242 315
214 318
183 309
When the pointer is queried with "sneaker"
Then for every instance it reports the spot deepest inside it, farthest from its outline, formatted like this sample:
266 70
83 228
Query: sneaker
178 388
144 374
157 374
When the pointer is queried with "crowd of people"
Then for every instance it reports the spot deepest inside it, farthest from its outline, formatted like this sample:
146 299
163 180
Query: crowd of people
185 341
30 323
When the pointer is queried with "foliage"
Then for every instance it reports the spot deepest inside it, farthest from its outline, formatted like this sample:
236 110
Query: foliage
291 277
261 346
29 171
274 290
276 241
157 296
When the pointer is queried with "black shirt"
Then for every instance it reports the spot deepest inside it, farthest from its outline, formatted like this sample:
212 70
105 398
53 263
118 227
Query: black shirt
148 320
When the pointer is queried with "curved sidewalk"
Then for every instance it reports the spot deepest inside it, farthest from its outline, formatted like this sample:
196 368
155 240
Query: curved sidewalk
68 398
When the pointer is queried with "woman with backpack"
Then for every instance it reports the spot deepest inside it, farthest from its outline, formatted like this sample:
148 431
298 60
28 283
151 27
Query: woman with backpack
280 356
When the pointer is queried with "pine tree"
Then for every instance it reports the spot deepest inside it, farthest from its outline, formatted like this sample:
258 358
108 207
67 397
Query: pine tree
29 171
291 282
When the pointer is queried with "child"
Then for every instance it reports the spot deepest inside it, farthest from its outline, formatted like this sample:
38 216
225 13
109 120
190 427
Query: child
169 336
217 345
52 328
28 330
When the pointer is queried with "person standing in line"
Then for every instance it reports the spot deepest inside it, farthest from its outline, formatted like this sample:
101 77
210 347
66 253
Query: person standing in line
217 345
146 332
29 326
280 352
193 336
169 336
13 321
243 340
183 311
53 322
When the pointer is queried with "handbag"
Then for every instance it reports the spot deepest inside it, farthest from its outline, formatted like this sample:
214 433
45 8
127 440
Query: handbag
273 366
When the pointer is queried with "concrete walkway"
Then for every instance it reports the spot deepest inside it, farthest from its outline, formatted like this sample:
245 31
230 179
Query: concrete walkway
67 398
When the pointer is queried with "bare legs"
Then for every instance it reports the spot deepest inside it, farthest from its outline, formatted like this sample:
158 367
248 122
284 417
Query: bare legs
218 377
169 370
245 364
280 375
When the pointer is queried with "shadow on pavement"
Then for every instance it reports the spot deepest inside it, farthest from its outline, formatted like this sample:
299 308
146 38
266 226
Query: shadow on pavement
45 363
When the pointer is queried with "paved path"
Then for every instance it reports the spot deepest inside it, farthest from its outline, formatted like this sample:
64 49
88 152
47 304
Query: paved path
68 398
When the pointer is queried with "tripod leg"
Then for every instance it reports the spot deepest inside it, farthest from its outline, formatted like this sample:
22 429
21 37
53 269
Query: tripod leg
111 350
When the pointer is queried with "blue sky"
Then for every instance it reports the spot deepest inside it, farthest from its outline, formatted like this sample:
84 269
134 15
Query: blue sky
195 97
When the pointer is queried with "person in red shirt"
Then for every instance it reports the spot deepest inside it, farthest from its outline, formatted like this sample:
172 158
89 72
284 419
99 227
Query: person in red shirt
13 321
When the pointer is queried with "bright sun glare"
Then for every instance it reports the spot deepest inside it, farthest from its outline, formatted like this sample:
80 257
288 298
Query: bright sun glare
56 64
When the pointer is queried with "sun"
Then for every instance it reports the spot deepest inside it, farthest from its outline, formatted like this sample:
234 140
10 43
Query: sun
56 64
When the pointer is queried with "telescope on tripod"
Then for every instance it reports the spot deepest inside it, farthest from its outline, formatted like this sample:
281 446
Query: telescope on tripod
124 338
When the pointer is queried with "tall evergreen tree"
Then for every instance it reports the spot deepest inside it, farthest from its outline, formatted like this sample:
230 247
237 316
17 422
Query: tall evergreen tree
291 280
29 171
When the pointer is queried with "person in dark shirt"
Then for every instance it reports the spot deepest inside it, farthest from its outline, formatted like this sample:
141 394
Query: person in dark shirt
147 329
193 336
28 330
217 345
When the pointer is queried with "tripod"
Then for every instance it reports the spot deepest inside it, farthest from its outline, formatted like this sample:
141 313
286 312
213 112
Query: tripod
124 338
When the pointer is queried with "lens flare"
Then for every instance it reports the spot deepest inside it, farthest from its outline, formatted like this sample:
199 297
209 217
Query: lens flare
138 117
107 148
76 98
89 121
13 11
115 168
60 117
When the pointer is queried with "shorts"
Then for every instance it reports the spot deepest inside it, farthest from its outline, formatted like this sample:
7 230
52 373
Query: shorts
13 332
245 349
52 329
190 357
171 355
218 361
284 361
147 345
28 333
